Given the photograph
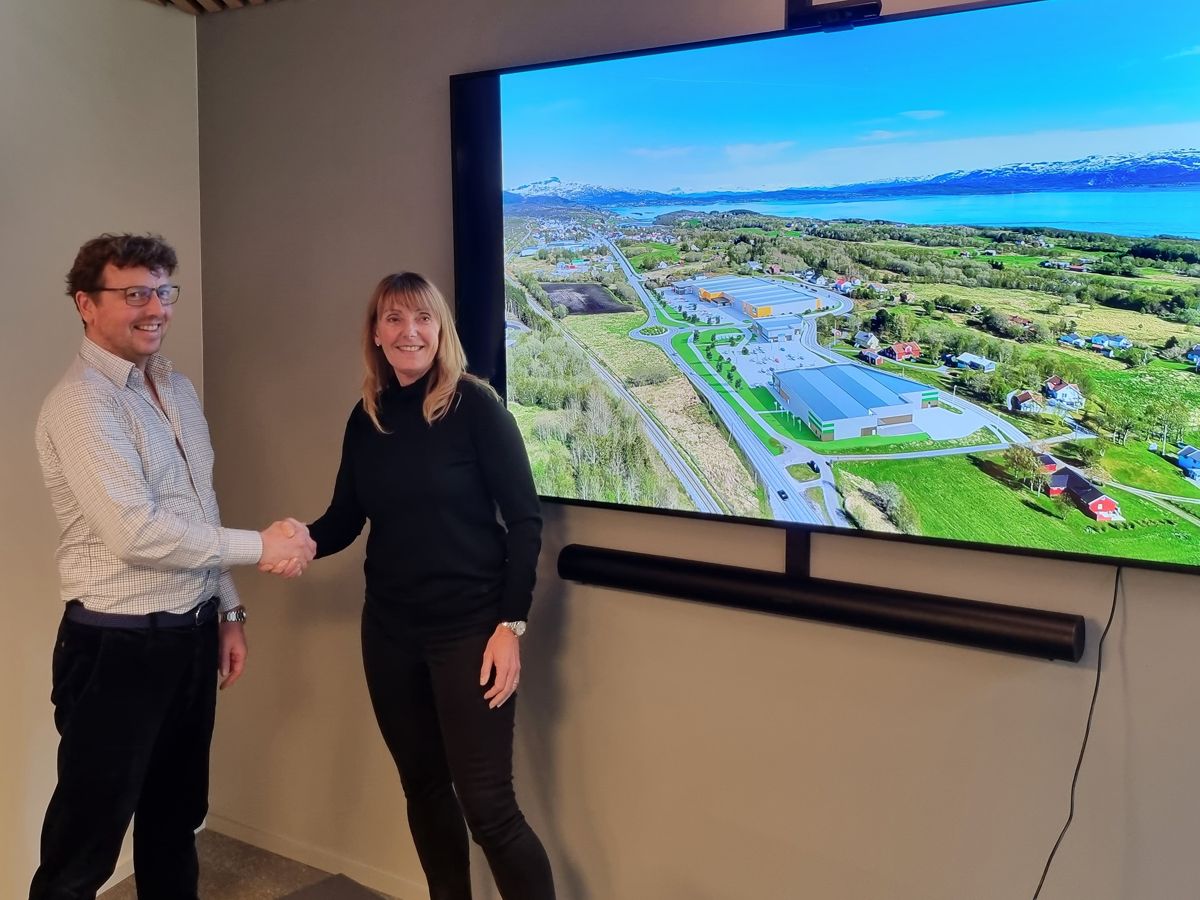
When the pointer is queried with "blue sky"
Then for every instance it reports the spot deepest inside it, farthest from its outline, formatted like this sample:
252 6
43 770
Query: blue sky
1052 80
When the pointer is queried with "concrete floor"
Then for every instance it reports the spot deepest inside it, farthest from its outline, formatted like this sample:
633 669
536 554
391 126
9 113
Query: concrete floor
232 870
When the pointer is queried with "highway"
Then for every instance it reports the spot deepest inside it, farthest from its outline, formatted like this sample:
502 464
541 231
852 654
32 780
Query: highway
695 487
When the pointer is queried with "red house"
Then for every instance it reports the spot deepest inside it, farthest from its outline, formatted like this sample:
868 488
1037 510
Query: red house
1089 498
902 350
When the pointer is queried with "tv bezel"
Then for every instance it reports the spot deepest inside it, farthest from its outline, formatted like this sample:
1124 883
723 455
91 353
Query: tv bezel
478 228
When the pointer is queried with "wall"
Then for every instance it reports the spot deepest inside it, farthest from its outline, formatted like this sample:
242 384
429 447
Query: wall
666 749
98 101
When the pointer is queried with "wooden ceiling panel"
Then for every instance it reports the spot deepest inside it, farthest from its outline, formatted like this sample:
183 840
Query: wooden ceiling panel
207 7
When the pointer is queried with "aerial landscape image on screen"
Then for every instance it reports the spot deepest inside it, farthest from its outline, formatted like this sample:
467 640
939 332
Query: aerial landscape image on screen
938 277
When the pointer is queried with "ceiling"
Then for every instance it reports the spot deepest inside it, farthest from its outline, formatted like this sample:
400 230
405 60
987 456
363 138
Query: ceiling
205 7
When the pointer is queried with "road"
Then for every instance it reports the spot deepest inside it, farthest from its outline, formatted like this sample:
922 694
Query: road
774 478
695 487
785 494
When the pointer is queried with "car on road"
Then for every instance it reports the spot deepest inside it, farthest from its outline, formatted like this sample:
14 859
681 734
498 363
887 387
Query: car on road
782 494
812 464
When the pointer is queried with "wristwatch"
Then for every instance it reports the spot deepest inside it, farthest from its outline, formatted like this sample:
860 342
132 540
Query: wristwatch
517 628
237 614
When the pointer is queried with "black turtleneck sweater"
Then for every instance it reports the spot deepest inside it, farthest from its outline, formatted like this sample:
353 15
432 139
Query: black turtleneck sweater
436 553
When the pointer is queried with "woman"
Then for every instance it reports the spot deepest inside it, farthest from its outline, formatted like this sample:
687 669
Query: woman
429 455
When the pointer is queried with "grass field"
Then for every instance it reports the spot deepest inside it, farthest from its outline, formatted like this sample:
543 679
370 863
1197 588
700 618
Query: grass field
802 473
1138 467
668 314
1038 307
969 498
1036 427
647 254
607 335
1160 381
816 498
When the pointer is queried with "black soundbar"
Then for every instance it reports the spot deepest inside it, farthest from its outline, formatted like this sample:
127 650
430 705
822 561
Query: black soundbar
992 626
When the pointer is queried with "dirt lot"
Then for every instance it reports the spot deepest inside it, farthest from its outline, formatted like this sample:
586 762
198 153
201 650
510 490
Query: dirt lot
583 299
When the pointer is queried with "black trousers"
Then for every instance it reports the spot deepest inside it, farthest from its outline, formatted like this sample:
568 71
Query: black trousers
135 710
455 759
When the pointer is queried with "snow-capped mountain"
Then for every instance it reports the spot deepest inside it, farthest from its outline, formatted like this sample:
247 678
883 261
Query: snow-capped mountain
577 192
1174 168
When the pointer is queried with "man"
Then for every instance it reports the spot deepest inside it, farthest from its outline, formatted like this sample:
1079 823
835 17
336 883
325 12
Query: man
152 614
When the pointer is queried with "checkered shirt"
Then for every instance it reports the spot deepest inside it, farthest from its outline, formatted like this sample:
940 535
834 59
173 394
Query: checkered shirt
131 485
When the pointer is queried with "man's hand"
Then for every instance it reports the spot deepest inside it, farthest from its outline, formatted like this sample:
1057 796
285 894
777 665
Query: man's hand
232 652
287 548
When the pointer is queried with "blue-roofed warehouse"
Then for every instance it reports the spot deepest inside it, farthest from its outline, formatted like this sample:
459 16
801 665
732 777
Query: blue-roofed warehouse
754 297
845 401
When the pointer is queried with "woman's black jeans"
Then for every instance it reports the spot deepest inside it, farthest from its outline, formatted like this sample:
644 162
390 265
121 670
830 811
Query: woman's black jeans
455 758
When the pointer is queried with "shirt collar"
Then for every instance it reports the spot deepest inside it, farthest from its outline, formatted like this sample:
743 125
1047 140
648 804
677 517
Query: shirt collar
118 370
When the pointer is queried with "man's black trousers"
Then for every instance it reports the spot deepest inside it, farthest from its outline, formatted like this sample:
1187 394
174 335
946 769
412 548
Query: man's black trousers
134 709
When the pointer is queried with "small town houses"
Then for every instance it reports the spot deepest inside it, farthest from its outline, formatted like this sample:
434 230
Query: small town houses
1108 344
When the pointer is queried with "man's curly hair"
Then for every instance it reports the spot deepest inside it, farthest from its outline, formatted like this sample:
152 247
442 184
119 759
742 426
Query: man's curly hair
124 251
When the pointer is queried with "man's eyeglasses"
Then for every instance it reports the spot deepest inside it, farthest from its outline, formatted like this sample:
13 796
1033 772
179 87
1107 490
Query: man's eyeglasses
139 295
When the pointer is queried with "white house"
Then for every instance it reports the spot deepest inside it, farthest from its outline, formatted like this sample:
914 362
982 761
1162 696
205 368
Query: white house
1063 394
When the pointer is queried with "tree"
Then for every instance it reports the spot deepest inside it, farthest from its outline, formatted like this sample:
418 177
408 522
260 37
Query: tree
1023 463
1089 453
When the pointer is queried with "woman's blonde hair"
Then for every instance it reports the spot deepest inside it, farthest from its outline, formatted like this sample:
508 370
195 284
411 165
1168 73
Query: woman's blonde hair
408 290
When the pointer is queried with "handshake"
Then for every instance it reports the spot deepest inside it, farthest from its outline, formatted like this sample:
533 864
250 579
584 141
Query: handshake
287 548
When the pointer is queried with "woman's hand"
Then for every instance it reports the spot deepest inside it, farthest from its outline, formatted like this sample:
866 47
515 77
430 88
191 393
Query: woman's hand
503 653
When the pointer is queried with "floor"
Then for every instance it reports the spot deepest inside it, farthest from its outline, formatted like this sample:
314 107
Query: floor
232 870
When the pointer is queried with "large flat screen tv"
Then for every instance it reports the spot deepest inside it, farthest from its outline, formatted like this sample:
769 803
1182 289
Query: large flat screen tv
936 277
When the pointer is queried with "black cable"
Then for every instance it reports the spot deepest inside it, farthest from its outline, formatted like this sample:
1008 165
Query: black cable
1086 733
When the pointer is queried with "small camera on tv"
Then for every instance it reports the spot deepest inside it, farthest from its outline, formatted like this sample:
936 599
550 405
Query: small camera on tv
802 14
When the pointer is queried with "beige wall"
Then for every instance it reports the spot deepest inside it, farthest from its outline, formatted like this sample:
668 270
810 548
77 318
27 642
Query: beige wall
97 132
666 750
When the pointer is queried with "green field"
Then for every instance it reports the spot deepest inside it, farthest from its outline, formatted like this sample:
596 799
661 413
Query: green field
1035 426
802 473
970 498
1138 467
648 254
607 335
1049 310
1160 381
669 315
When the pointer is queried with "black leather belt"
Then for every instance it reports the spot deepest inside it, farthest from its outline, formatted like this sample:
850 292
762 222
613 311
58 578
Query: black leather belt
200 615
